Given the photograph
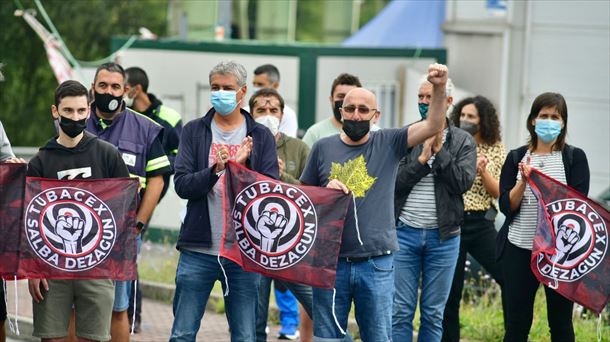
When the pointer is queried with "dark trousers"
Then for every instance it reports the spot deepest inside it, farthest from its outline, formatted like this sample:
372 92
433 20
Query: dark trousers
478 237
520 292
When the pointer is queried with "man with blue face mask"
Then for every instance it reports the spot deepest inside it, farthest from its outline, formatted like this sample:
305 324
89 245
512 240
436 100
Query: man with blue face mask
225 133
424 94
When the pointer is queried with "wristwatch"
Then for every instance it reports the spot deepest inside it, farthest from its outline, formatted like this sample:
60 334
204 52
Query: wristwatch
140 225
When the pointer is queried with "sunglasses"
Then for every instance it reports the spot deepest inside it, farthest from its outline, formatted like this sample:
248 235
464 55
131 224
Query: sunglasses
364 110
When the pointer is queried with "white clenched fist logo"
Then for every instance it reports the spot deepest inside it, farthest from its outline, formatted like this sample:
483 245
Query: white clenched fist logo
565 241
70 229
270 224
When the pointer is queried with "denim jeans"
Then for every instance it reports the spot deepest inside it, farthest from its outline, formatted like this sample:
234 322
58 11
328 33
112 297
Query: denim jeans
370 285
301 292
195 278
422 254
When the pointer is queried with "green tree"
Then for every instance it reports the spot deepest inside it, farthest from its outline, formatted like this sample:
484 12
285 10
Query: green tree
86 27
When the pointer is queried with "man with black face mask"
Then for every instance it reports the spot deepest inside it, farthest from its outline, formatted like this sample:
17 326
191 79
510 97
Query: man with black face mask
138 138
364 164
331 126
73 154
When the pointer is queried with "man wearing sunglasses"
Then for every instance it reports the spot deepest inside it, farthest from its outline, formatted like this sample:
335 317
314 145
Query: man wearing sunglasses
364 164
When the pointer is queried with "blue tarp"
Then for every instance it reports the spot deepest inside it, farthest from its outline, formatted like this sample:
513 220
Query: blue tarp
403 23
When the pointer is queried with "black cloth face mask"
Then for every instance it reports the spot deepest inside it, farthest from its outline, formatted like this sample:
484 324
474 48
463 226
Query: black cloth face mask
337 110
356 130
72 128
107 102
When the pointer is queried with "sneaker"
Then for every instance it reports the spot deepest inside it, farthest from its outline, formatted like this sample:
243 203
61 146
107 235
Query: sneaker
288 333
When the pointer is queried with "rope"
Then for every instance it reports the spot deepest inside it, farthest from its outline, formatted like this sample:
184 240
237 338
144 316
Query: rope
225 274
16 308
10 324
75 62
555 283
335 315
356 218
134 290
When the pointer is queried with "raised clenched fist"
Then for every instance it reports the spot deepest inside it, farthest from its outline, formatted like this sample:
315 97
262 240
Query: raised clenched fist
70 229
270 224
438 74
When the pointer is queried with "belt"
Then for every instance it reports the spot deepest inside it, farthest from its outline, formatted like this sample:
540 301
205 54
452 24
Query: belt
475 213
361 259
356 259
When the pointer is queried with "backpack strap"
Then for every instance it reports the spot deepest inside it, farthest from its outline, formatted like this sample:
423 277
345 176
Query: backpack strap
518 153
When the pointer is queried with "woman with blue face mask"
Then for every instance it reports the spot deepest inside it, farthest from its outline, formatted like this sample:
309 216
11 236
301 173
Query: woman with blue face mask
547 152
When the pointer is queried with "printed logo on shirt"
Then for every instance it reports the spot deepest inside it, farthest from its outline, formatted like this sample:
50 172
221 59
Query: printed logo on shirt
69 228
216 147
129 159
275 224
83 172
581 240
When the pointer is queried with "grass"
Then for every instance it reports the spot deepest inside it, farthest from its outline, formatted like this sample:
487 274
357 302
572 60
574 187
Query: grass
480 315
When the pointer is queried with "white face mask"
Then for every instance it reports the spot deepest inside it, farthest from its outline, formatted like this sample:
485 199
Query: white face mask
270 122
128 101
255 89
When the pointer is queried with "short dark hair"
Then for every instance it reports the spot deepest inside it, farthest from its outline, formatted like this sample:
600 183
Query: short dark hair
273 74
345 79
137 76
489 125
111 67
266 92
70 88
548 100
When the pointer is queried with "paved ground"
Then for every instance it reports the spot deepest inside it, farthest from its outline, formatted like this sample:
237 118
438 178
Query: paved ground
156 320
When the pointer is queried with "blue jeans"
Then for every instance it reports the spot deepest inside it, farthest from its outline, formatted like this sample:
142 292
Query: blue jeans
195 278
422 254
300 291
369 284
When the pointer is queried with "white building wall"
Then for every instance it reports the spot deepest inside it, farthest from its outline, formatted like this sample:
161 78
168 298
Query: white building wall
535 47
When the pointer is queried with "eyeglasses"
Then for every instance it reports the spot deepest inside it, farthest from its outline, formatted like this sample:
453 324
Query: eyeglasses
364 110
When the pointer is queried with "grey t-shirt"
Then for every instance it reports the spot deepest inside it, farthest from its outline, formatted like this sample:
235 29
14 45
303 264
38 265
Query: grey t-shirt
5 146
231 140
375 210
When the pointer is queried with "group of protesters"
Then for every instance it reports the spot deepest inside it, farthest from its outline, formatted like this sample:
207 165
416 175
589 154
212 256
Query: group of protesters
437 186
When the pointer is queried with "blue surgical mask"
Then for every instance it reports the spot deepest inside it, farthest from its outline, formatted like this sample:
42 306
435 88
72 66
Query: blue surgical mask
423 110
224 101
547 130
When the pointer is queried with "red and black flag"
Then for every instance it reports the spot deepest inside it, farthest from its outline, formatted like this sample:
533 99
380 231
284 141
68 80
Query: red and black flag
570 252
81 229
281 230
12 185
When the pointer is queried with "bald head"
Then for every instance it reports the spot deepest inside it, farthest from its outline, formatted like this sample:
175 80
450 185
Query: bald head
360 96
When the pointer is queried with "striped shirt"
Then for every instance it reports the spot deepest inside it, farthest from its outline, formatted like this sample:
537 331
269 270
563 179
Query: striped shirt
522 229
419 210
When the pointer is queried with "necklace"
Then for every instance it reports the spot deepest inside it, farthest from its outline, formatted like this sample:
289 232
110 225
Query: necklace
542 161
